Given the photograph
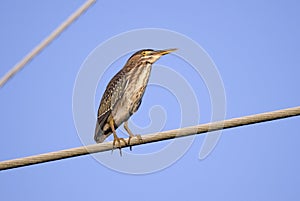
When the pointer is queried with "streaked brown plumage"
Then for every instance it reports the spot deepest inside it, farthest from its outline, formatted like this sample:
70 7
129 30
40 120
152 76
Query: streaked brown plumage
123 94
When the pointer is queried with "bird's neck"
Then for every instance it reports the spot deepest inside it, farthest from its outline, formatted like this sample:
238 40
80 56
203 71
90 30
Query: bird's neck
140 74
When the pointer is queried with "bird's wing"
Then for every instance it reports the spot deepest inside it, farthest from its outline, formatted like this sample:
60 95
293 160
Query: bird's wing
114 91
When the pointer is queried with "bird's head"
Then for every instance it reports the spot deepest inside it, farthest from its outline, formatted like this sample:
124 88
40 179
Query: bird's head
149 55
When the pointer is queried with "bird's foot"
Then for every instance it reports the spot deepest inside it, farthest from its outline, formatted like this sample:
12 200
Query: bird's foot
137 136
118 140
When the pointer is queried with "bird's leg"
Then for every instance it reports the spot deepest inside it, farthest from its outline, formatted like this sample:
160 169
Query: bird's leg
131 135
116 138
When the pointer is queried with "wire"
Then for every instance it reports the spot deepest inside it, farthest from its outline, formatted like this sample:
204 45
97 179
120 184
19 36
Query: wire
45 42
182 132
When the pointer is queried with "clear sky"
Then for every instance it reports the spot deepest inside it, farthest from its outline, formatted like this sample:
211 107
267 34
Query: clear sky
255 48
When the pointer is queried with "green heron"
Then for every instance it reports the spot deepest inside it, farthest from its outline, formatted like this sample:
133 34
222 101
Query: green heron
123 95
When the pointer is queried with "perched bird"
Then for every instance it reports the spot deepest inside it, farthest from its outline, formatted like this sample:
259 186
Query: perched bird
123 95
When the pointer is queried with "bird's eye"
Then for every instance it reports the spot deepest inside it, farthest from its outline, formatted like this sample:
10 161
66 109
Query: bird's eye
144 53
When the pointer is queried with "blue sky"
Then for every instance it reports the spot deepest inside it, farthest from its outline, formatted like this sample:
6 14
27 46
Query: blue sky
255 47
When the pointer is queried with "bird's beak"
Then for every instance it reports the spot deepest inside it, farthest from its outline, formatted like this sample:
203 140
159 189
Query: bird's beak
167 51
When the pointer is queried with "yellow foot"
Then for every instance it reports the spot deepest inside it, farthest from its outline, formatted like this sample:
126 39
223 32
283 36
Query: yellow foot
131 136
118 140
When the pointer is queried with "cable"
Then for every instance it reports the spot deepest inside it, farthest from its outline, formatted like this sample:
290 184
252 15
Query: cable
182 132
45 42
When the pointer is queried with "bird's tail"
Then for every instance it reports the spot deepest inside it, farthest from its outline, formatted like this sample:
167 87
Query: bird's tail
99 134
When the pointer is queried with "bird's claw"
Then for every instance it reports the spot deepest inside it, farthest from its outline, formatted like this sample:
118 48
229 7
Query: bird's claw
118 140
137 136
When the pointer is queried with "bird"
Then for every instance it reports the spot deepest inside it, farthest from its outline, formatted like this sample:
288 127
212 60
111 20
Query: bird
123 96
